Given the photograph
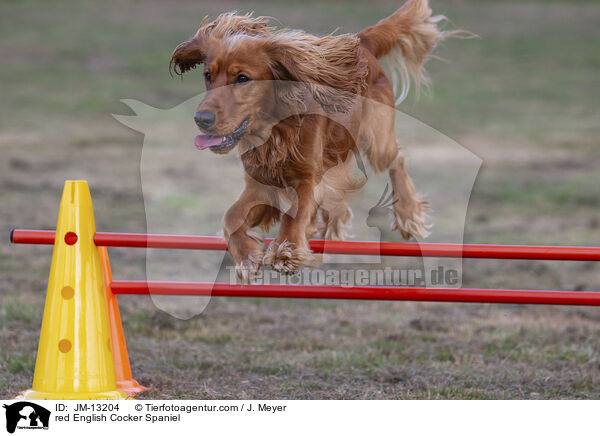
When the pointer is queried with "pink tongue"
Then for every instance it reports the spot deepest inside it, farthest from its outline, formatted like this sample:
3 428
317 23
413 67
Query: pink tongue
205 141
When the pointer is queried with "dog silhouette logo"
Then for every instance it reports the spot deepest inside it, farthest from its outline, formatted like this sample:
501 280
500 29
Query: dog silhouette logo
26 415
380 215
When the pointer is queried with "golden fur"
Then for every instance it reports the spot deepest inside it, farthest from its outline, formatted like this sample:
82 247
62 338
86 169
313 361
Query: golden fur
312 104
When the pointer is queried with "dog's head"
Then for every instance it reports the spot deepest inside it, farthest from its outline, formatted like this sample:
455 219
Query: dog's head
256 76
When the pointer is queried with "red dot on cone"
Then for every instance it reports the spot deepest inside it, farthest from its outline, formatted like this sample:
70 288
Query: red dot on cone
71 238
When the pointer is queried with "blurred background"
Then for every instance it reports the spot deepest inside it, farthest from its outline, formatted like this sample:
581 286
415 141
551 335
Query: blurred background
523 96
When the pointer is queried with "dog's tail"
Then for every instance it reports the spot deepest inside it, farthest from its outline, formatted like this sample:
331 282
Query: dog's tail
407 36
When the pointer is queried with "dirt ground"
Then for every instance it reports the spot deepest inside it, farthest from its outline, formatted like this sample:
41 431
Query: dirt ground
522 96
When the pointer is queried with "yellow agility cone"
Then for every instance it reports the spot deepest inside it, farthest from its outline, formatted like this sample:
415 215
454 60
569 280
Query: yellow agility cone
74 359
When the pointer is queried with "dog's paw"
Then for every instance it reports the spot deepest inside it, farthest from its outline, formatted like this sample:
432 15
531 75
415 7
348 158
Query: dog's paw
247 270
412 221
287 258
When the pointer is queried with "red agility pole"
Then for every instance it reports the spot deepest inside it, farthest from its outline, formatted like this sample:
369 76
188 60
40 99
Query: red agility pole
514 296
481 251
129 287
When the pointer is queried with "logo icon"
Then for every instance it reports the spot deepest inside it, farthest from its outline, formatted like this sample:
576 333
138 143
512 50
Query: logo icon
26 415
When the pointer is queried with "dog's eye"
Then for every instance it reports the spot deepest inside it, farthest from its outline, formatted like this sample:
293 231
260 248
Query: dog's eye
207 76
242 78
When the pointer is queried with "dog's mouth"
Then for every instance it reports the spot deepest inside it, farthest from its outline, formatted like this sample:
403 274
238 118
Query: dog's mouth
221 144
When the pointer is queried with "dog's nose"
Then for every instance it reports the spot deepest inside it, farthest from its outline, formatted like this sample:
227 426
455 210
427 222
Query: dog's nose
204 119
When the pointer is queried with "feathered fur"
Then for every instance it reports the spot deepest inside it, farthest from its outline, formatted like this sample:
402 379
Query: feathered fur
406 38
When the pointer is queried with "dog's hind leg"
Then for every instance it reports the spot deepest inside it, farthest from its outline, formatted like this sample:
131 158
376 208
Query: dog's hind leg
378 143
409 209
337 218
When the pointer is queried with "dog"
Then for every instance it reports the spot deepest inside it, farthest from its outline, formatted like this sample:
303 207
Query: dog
298 107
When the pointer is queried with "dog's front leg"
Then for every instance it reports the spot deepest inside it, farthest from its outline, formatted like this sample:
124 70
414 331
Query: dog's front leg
245 246
289 250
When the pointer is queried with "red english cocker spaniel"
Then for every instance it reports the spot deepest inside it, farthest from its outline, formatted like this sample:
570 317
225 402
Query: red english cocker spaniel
298 107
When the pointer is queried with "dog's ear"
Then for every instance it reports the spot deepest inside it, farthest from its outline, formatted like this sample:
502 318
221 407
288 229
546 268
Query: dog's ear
186 56
330 68
190 53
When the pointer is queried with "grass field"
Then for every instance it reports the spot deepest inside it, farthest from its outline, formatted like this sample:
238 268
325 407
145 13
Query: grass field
523 97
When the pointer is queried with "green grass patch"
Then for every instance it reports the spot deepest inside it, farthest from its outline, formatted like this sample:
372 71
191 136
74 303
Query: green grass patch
15 310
